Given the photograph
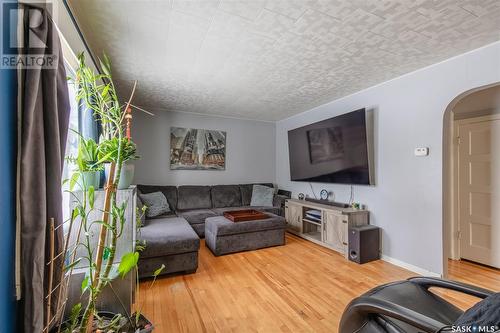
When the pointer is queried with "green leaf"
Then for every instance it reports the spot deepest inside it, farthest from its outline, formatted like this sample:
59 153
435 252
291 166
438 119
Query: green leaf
105 158
73 264
159 270
137 317
128 261
107 225
105 91
140 245
73 180
91 196
75 213
85 284
81 212
105 65
106 253
73 318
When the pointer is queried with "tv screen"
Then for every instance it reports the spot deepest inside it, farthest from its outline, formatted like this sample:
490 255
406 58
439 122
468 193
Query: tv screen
335 150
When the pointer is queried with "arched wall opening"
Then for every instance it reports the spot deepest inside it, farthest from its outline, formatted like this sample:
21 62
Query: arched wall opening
478 102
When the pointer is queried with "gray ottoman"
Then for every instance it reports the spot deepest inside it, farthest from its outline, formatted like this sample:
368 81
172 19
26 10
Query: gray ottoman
170 241
222 236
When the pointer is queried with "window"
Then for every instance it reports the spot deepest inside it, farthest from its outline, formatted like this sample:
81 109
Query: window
71 143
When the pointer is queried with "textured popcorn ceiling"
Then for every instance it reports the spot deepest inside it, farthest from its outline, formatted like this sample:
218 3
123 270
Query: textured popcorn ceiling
272 59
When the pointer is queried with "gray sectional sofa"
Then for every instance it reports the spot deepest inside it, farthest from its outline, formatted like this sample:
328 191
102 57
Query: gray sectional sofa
173 239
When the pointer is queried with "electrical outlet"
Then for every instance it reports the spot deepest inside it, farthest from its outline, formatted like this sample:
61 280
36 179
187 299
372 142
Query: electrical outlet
421 151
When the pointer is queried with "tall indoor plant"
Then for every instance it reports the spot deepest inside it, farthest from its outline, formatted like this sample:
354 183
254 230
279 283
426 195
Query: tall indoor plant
98 93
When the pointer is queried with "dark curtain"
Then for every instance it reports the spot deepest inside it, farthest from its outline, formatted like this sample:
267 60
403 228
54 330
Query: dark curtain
44 125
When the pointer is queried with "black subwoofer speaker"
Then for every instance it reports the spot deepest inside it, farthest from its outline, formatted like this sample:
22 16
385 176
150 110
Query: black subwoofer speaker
364 243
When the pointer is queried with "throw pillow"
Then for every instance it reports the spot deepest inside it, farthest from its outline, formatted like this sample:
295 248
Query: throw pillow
156 202
262 196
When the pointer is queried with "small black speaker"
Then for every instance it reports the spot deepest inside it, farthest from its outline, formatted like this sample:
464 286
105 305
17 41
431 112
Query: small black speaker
364 243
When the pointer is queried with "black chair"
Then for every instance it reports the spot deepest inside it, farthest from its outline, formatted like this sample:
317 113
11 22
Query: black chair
406 307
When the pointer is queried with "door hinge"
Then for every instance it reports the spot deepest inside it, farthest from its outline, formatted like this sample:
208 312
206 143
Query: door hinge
459 235
457 140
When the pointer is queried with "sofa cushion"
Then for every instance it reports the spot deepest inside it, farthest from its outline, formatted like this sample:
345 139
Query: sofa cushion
273 210
226 196
246 192
162 216
156 204
170 192
168 236
262 196
199 229
196 216
194 197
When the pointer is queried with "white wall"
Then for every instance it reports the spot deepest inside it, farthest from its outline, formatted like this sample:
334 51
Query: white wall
406 201
250 151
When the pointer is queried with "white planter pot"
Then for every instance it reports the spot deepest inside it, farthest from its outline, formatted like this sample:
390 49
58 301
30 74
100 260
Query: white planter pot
126 175
91 178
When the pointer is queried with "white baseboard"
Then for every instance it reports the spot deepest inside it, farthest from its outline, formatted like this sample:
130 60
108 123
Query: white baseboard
410 267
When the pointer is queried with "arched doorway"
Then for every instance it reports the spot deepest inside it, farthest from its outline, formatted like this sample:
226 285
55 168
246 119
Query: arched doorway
479 106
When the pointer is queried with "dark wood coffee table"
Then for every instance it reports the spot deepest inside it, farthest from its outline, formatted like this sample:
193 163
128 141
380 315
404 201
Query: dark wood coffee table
245 215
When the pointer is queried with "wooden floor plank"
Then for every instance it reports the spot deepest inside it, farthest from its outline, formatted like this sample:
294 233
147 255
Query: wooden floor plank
299 287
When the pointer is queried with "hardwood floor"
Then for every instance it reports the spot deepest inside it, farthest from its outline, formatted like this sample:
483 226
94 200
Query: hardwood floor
468 272
480 275
300 287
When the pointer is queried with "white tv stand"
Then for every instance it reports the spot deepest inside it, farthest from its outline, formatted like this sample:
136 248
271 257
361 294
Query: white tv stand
331 231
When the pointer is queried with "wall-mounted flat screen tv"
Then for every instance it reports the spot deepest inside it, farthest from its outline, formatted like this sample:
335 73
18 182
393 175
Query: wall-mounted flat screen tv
335 150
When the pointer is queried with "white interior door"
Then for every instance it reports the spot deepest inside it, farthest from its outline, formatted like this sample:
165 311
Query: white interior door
478 191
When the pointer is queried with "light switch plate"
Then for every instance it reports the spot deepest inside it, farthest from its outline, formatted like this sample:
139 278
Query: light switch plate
421 151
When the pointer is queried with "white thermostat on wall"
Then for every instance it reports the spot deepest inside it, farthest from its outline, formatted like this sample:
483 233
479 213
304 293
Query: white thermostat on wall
421 151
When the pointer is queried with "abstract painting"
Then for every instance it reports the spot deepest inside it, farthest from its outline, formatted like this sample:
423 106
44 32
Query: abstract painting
197 149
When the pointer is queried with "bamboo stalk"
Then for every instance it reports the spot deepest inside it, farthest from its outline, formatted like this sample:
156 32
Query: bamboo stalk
61 278
102 234
73 257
